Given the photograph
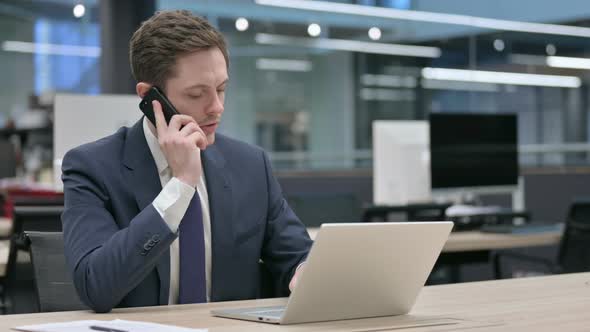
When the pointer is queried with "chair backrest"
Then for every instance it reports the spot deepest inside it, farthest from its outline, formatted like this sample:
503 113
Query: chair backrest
19 276
30 218
7 160
574 253
46 218
313 209
53 281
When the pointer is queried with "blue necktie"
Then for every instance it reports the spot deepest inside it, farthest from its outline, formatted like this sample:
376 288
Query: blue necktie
192 288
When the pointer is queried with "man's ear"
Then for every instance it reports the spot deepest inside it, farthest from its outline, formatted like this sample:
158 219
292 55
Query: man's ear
142 89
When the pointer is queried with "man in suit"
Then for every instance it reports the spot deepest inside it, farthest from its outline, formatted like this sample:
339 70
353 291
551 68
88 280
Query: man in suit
175 213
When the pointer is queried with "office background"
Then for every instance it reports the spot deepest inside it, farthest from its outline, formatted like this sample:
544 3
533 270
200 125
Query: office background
311 107
306 84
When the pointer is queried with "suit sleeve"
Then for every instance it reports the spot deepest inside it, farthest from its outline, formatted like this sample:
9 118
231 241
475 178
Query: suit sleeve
107 262
286 242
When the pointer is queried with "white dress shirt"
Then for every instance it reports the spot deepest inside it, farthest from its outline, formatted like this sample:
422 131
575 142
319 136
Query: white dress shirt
171 204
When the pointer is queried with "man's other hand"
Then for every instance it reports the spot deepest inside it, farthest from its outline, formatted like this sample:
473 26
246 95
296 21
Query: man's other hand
297 274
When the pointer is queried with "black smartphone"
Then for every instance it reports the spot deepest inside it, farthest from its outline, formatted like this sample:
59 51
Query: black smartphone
146 105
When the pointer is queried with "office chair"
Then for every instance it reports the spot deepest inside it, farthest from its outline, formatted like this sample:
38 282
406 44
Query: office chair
574 248
53 283
8 160
18 281
313 209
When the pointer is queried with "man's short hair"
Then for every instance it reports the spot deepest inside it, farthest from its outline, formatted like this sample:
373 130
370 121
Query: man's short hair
165 37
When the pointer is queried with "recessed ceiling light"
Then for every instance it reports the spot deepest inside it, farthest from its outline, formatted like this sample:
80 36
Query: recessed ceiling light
242 24
314 30
499 45
375 33
79 10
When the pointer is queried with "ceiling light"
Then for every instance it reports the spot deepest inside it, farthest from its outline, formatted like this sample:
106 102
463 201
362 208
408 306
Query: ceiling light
375 33
422 16
349 45
460 86
54 49
314 30
283 65
499 45
242 24
79 10
387 94
568 62
394 81
527 59
462 75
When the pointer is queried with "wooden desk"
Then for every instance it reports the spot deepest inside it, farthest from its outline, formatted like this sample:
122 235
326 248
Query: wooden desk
554 303
478 241
474 240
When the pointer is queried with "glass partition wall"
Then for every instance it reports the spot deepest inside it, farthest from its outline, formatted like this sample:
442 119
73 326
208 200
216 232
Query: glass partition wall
309 77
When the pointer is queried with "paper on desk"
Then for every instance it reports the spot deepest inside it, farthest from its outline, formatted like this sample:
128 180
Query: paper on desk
119 324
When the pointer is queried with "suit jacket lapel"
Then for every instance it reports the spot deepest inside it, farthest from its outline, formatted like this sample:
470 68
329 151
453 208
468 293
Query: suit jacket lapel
220 198
143 177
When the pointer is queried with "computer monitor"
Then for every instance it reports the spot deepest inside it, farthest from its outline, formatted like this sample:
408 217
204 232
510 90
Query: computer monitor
473 150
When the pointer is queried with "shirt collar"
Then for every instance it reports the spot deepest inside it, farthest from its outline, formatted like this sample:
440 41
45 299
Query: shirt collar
152 141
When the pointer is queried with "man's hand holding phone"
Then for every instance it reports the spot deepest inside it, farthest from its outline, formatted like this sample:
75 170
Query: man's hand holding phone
180 141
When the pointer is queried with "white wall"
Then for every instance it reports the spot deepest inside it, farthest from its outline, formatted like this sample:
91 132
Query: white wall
82 119
401 162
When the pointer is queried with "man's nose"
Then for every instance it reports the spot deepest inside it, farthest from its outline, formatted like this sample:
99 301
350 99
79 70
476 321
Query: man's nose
216 106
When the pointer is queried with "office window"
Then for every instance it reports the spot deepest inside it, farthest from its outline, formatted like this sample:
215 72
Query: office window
44 49
73 63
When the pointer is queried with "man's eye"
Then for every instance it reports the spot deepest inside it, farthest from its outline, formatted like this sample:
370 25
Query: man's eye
195 96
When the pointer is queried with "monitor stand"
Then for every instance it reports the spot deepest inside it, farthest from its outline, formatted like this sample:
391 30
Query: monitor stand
457 197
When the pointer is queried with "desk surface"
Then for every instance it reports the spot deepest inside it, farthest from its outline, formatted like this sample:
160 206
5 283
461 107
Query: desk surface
530 304
475 240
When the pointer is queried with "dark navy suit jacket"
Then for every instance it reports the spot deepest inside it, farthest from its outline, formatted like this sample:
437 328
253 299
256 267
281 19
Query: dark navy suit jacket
117 245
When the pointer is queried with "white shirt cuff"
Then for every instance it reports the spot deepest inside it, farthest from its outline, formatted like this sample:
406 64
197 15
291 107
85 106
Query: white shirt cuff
173 201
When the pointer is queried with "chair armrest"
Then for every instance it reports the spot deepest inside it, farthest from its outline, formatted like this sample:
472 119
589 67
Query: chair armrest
496 256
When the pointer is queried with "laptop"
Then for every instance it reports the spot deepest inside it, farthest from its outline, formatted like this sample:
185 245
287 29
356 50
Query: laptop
358 270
